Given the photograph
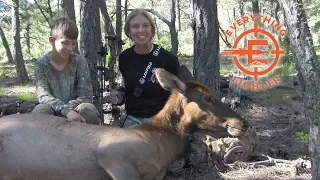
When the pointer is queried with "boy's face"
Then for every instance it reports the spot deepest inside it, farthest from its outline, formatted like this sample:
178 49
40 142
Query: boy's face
63 46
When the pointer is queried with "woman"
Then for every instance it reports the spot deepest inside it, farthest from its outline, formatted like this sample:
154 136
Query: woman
143 96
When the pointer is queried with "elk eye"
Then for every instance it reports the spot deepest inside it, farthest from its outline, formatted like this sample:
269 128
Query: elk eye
208 99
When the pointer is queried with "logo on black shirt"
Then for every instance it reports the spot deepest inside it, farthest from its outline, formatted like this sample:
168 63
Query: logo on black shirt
142 80
156 52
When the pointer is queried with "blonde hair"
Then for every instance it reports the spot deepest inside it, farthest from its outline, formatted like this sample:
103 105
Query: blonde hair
135 13
64 27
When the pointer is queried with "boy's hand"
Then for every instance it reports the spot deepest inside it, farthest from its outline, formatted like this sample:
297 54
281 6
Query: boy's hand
74 116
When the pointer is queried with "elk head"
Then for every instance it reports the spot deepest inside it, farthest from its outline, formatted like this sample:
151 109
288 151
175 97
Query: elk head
191 106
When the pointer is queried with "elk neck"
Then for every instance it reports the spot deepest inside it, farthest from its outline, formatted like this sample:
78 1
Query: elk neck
170 117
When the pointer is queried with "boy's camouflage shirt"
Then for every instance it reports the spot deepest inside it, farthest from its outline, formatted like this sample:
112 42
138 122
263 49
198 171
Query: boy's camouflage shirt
65 89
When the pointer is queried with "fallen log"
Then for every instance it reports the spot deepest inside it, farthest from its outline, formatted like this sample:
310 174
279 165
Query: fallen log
17 107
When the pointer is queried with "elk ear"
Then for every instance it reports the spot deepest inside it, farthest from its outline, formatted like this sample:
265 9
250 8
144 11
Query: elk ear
170 82
184 74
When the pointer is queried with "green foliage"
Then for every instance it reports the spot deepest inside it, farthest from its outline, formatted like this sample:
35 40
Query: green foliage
187 60
3 71
2 92
286 66
39 28
29 12
164 42
185 43
108 58
284 70
227 66
27 96
317 50
312 14
303 136
25 93
287 58
280 96
317 25
30 70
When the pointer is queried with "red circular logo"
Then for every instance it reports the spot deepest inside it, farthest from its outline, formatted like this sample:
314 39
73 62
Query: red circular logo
250 52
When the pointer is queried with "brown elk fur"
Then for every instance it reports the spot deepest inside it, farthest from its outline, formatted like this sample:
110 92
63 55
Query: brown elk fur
35 146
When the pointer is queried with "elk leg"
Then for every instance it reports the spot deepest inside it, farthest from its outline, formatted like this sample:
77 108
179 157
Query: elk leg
124 173
161 174
121 170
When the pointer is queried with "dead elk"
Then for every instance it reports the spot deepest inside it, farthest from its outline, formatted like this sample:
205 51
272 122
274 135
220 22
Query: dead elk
35 146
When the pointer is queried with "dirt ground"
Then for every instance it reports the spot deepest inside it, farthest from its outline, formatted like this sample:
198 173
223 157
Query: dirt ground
277 115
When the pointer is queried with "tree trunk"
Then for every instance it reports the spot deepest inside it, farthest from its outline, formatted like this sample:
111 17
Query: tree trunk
28 26
206 43
241 8
99 36
179 15
275 10
125 9
17 53
155 20
68 10
241 13
255 7
108 27
234 20
88 38
6 46
119 25
309 67
173 31
50 9
174 39
256 10
28 37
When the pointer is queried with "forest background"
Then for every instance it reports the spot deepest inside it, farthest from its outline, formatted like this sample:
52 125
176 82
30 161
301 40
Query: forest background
193 30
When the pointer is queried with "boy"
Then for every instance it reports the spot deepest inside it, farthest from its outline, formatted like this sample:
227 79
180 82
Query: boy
63 82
